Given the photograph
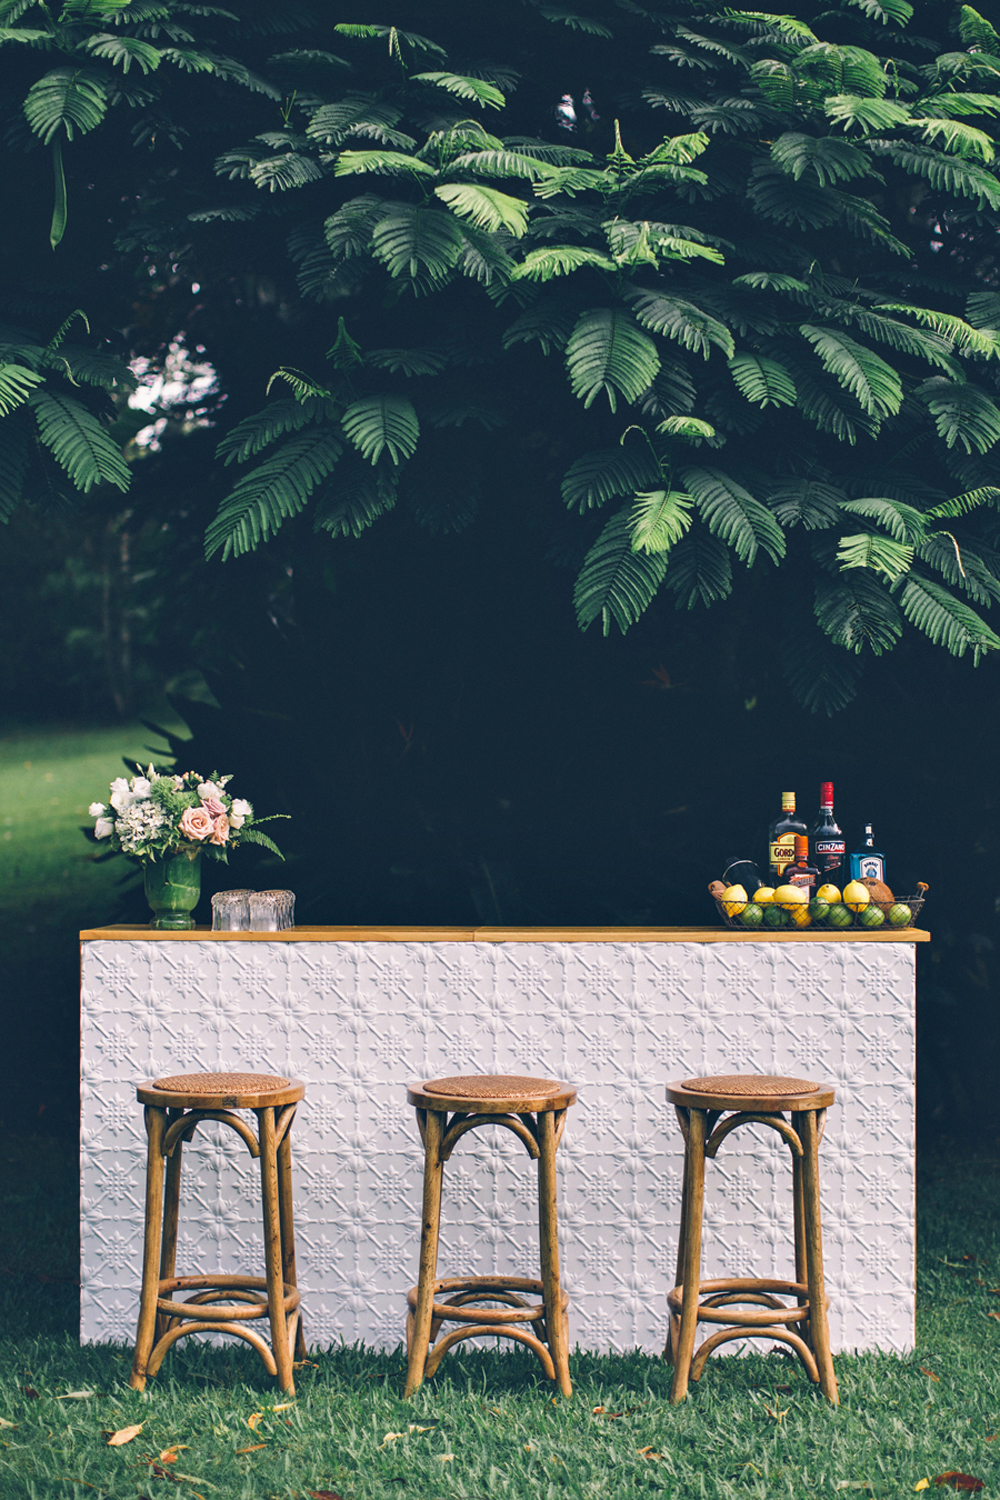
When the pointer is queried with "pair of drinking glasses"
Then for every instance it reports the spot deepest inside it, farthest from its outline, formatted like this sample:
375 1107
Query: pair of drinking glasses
253 911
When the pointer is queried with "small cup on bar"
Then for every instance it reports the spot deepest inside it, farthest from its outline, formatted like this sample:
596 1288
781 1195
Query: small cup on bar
272 911
231 911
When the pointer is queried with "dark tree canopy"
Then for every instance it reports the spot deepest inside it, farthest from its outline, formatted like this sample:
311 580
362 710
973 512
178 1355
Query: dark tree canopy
729 276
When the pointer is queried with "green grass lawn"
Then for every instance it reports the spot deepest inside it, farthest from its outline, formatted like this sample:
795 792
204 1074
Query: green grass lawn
50 888
213 1426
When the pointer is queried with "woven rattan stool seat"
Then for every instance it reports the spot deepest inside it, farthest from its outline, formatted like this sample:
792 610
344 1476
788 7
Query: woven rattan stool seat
497 1093
763 1092
534 1110
219 1302
221 1091
741 1083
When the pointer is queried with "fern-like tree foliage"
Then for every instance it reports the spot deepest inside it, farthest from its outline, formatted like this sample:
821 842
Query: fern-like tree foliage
55 414
741 283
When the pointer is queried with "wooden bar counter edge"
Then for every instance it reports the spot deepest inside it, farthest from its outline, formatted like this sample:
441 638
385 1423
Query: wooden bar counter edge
507 935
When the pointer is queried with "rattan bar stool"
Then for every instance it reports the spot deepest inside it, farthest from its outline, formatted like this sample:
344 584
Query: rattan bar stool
535 1110
175 1107
701 1104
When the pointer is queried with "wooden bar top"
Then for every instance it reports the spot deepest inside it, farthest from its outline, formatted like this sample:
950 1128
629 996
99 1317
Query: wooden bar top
141 933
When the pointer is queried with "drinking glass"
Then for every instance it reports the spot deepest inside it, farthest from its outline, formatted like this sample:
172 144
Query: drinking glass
272 911
231 911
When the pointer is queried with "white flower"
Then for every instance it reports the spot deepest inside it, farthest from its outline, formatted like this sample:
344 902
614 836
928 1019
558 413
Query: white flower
140 787
121 794
97 809
239 812
208 789
104 828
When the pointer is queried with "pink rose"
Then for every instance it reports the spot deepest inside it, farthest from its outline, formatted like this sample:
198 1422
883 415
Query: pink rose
213 807
195 823
221 830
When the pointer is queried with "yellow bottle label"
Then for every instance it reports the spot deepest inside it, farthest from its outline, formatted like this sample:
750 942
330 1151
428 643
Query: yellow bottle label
782 852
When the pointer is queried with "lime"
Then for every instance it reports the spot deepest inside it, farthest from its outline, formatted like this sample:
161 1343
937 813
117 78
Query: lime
839 916
819 909
900 915
775 916
752 915
871 916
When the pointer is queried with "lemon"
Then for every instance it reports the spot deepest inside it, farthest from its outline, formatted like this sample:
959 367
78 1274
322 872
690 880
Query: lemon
900 915
752 915
799 916
791 895
764 895
829 893
839 916
734 899
856 896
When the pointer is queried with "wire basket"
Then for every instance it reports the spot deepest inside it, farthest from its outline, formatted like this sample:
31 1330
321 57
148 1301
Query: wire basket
894 916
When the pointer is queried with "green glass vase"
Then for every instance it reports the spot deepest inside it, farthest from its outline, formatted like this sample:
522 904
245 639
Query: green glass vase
173 886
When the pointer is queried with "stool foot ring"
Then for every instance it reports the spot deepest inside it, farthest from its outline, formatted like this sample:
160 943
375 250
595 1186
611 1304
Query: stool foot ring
500 1322
771 1323
197 1315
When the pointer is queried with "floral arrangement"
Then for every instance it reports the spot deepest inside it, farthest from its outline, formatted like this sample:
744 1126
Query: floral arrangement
163 813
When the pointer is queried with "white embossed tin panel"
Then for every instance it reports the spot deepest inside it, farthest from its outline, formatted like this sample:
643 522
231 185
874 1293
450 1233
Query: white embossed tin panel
358 1020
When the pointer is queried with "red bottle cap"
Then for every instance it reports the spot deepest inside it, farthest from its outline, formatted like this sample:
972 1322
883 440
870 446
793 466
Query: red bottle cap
801 847
826 794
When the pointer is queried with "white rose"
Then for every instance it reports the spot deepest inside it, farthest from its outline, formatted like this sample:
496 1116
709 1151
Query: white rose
239 812
121 794
104 828
97 809
207 789
140 787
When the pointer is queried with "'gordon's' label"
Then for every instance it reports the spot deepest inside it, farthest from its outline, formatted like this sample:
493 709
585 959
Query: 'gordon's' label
782 851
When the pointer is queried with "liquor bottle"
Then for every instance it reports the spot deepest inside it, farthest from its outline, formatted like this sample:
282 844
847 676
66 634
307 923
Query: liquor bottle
867 863
826 842
800 871
781 838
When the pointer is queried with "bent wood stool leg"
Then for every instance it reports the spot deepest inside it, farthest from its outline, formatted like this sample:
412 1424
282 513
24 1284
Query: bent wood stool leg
548 1240
818 1325
171 1210
288 1272
156 1126
433 1123
280 1345
690 1268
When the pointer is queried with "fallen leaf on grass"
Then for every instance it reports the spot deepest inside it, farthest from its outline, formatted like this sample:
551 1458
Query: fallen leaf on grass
253 1420
390 1437
930 1373
75 1395
446 1458
5 1423
994 1315
285 1406
324 1495
30 1392
649 1453
777 1415
958 1480
301 1364
853 1484
921 1484
169 1455
124 1435
253 1448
